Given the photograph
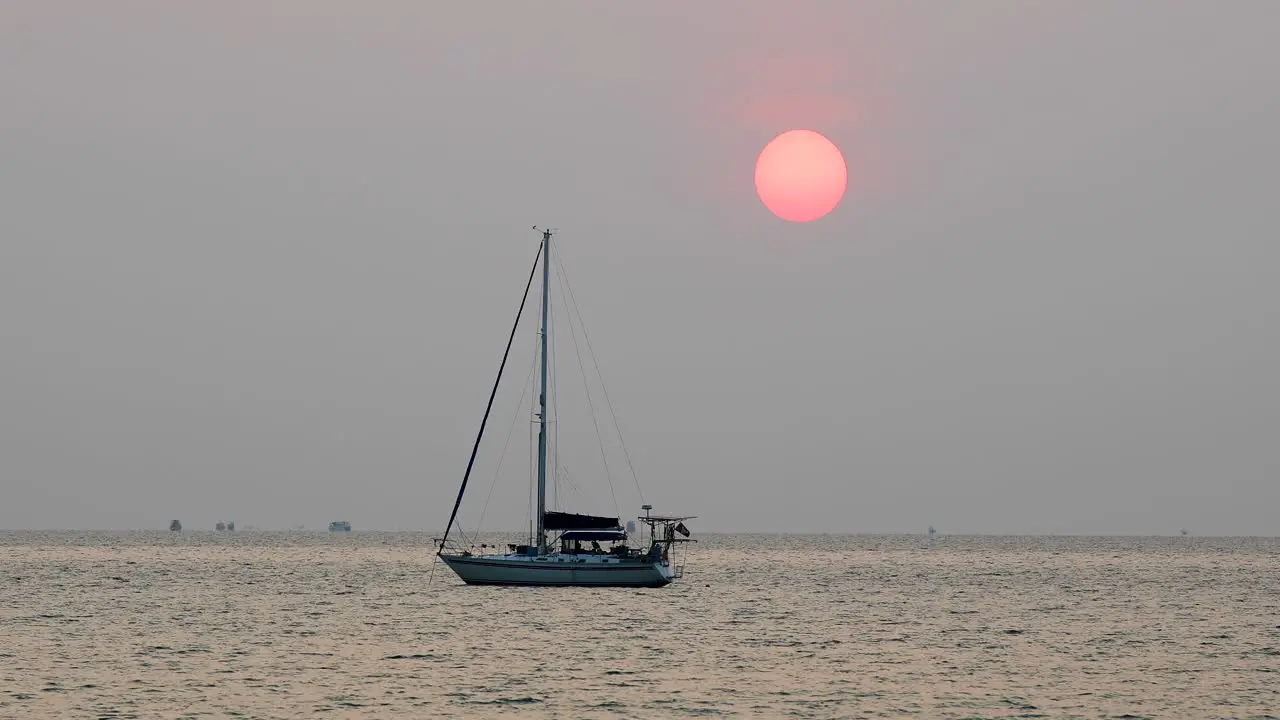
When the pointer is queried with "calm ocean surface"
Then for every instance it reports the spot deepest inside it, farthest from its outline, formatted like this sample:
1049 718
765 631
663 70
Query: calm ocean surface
297 624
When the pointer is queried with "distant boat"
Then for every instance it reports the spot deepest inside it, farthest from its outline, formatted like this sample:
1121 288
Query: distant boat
339 526
541 562
932 532
175 526
220 527
231 526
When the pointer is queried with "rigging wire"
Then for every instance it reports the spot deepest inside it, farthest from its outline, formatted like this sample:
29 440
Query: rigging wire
503 455
533 461
573 486
586 386
553 409
492 393
560 269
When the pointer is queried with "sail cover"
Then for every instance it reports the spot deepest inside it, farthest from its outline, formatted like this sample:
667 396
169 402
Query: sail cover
574 521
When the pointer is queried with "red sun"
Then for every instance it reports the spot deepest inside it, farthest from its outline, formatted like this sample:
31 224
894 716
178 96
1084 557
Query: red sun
801 176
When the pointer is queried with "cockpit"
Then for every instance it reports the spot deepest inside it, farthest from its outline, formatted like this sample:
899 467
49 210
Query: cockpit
594 542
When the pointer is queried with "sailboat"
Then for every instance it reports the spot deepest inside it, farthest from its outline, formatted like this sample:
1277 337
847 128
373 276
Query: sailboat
555 553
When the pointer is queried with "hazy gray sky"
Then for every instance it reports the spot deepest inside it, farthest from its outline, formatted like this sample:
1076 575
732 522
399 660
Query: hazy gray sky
258 261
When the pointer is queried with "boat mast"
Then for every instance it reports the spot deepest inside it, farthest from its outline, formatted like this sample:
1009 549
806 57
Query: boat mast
542 396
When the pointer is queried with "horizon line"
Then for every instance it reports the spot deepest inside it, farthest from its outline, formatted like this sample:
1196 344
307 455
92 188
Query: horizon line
790 533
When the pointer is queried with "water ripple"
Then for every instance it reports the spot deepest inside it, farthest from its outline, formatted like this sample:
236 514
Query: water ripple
279 625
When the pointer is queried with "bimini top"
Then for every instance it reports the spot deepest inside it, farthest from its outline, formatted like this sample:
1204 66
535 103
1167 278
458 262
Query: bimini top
574 521
594 535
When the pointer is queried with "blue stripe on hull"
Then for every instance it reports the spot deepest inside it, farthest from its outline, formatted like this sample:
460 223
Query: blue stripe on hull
571 566
654 584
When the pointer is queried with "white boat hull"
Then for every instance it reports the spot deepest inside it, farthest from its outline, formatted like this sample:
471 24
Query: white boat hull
559 570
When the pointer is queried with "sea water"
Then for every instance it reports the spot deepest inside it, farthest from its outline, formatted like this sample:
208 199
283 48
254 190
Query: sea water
297 624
